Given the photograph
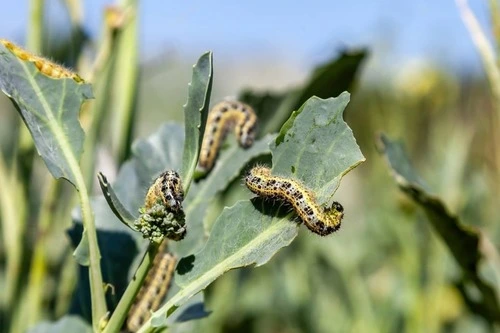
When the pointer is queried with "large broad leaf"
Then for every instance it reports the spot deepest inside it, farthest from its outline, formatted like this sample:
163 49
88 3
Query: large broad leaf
195 115
50 108
250 233
471 249
316 146
327 80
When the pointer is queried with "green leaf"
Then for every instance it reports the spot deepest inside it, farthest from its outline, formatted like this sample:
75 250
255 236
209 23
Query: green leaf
72 324
316 146
49 108
469 247
195 115
125 73
161 151
229 165
249 233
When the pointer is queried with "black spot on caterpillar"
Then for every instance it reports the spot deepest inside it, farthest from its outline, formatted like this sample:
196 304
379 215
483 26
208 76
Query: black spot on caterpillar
224 117
320 220
167 188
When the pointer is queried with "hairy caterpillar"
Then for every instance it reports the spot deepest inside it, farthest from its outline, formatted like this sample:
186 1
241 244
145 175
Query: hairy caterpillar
223 117
162 215
44 66
167 188
320 220
153 290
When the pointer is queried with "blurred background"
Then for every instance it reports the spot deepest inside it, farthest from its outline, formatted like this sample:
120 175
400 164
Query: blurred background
421 81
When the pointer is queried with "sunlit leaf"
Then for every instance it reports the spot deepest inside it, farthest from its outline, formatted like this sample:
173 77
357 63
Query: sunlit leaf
316 146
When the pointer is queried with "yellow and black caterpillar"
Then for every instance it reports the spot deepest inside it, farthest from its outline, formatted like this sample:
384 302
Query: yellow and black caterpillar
154 289
45 66
320 220
222 118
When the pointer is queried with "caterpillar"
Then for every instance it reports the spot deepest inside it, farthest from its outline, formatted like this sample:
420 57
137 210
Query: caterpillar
167 188
45 66
154 289
320 220
223 117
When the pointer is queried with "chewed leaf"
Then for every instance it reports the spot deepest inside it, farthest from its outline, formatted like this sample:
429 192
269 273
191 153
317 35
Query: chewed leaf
195 115
468 246
45 66
316 146
49 108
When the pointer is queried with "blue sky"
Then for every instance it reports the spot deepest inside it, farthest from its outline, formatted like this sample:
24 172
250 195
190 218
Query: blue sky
302 32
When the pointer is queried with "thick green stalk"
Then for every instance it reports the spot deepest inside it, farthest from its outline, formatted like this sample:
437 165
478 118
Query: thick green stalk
99 309
125 83
34 39
101 78
120 314
75 12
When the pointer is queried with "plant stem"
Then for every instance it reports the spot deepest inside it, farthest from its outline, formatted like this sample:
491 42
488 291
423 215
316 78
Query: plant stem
495 21
483 46
35 27
95 111
489 62
124 93
99 308
120 314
